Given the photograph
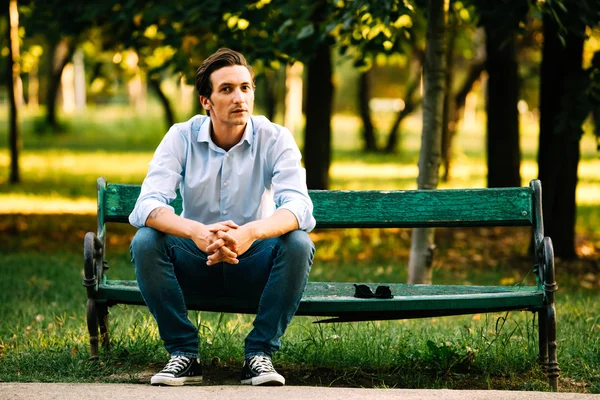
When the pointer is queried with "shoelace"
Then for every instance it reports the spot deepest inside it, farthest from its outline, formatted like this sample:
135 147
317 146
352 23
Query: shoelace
261 364
176 364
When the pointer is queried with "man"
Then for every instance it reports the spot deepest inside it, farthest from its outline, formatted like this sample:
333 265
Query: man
243 228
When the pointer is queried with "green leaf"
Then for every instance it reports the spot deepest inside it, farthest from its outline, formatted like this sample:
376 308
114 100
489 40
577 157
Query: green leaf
285 25
306 31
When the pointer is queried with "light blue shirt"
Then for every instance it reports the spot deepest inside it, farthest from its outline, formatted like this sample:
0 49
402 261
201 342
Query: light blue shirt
247 183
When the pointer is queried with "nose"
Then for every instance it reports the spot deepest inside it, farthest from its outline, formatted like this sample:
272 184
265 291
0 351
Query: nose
238 96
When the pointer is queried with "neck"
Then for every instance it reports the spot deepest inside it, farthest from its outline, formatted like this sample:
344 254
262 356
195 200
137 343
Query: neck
226 136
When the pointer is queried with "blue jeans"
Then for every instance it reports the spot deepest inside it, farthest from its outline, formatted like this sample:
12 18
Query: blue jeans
272 273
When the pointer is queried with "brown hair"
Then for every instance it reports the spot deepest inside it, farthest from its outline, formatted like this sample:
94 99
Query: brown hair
221 58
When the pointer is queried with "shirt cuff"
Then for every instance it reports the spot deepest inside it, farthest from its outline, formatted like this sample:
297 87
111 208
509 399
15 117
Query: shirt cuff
303 214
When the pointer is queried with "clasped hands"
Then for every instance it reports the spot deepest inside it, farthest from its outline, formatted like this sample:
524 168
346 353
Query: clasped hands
225 241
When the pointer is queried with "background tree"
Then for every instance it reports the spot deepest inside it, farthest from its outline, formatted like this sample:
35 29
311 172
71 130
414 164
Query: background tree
501 21
462 38
13 75
565 102
422 245
61 26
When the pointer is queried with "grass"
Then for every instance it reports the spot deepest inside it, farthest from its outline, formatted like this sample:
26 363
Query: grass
43 336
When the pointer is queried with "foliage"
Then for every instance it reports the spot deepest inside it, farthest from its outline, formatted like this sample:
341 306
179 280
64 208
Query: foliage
270 32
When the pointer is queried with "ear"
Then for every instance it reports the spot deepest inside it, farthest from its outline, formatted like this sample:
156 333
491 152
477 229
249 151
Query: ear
206 103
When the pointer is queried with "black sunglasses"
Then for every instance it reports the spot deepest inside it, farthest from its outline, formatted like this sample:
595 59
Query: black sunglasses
365 292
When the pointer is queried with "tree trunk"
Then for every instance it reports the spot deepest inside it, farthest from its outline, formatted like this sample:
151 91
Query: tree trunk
410 103
473 75
364 95
558 155
317 134
448 123
454 115
62 51
164 101
422 246
13 72
503 153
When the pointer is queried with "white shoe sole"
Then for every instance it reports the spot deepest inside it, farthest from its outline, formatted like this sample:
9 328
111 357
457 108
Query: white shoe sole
265 380
158 380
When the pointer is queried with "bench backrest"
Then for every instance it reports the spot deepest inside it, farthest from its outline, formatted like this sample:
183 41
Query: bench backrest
378 208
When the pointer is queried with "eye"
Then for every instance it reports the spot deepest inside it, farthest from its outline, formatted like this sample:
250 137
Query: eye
226 89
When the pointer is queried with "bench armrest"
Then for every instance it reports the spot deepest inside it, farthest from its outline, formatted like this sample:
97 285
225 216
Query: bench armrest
93 257
544 255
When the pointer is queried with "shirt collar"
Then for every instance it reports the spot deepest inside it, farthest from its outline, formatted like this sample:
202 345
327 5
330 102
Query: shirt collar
204 133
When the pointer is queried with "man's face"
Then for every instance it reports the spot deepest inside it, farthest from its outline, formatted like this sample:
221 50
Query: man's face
232 99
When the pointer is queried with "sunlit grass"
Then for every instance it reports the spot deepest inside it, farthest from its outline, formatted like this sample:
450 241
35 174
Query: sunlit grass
45 338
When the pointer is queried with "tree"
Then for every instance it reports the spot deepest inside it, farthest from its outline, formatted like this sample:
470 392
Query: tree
411 101
13 73
364 95
462 38
565 102
61 24
409 42
422 246
501 21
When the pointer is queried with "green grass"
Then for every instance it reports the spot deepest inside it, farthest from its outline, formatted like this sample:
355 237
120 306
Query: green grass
43 336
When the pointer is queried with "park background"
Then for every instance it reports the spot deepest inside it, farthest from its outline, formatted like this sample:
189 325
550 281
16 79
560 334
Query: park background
97 86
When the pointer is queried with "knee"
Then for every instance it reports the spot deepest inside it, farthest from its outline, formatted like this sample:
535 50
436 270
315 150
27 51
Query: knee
145 241
299 245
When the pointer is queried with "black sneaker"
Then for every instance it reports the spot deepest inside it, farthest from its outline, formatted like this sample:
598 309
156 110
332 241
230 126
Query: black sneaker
258 370
179 370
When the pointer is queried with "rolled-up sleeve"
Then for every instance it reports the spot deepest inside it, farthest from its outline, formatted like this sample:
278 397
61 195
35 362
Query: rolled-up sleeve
164 176
289 181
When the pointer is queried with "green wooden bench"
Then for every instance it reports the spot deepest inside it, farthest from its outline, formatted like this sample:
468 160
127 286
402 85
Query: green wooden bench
519 206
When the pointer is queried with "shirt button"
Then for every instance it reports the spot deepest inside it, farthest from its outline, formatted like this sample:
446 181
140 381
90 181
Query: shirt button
226 154
225 212
225 184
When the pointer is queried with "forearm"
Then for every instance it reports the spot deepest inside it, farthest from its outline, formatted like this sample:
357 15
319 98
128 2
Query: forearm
164 220
280 223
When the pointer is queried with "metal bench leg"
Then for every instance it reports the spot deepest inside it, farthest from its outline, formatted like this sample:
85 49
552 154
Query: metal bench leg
550 287
92 323
552 367
103 322
543 338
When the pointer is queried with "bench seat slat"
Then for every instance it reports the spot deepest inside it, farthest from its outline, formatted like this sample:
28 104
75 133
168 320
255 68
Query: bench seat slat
373 208
336 299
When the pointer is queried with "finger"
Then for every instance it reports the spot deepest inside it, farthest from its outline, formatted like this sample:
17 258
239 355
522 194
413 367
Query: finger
223 226
214 258
218 228
218 257
231 242
229 260
216 245
227 253
231 224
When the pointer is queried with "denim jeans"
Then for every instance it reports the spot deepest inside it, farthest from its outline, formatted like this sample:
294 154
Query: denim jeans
272 273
